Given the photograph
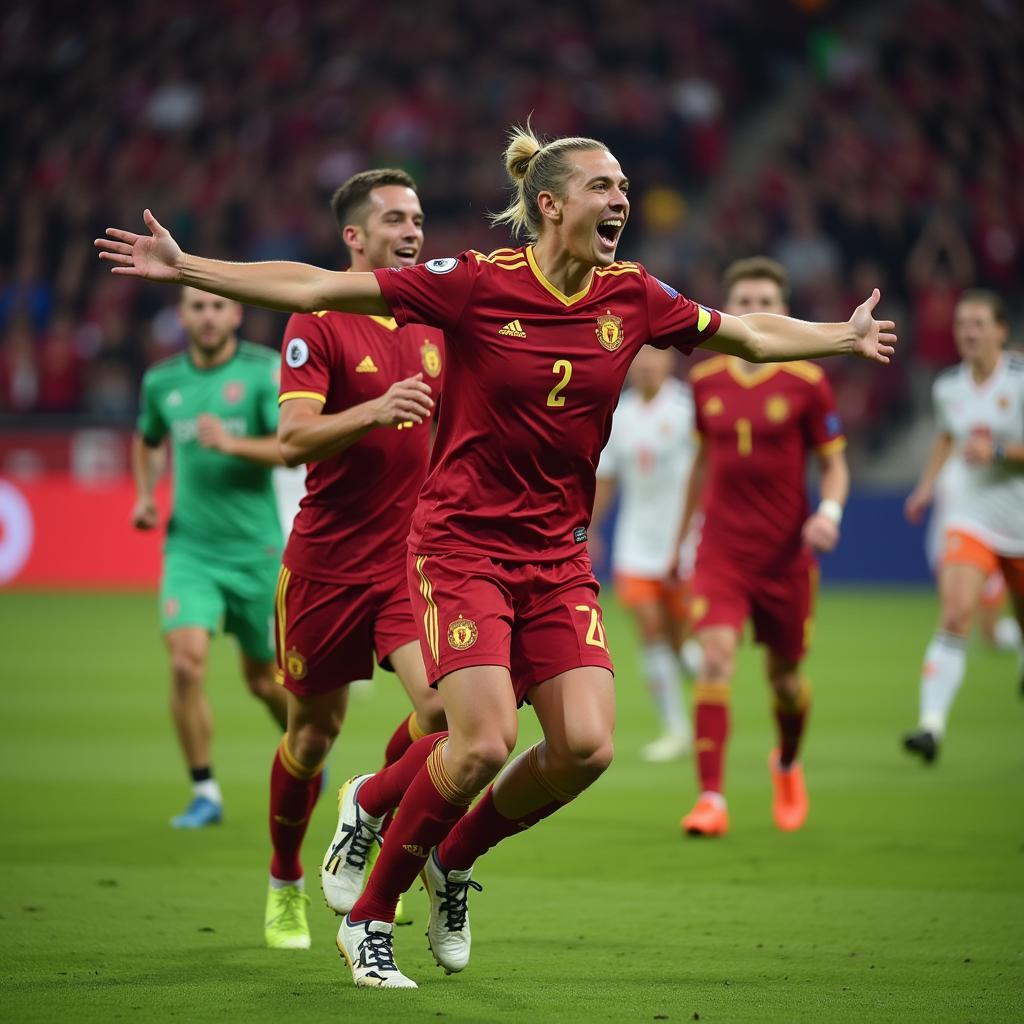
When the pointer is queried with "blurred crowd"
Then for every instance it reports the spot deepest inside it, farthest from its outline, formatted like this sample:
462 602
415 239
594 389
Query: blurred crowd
891 161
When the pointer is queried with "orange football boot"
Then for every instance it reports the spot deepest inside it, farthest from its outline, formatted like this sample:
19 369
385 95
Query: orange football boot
708 818
789 807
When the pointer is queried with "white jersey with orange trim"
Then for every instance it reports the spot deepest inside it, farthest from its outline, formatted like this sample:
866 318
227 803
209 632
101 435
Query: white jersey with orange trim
988 502
650 451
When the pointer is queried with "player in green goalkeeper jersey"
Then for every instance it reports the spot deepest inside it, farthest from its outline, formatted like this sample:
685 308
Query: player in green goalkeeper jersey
217 402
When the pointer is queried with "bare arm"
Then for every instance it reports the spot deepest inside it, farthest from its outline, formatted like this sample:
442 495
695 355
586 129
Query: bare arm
277 284
264 451
771 338
694 487
305 434
821 530
921 496
148 465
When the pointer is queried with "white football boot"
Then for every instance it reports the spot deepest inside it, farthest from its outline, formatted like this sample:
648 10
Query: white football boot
343 870
366 946
448 928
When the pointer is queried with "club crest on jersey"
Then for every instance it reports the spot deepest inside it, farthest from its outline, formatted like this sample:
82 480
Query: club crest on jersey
609 331
443 266
233 391
295 663
776 409
714 406
1003 401
174 399
171 608
462 633
431 356
296 353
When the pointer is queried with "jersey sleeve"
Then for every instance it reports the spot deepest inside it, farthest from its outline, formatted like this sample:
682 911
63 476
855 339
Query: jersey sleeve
676 321
434 293
824 426
305 359
151 425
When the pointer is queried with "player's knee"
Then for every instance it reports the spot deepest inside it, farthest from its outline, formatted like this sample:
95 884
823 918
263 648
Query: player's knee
480 760
430 712
311 742
261 683
955 618
592 754
187 668
718 666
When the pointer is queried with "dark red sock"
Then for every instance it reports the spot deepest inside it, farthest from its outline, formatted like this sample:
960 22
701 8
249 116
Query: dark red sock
403 737
711 725
382 793
791 719
485 826
431 806
293 793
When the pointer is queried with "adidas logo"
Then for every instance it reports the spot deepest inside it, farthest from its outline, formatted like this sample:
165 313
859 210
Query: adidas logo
416 850
366 366
513 329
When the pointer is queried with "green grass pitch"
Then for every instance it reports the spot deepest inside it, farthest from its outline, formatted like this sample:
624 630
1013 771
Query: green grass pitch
902 899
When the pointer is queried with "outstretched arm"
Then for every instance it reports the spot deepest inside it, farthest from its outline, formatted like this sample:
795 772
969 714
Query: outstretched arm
770 338
277 285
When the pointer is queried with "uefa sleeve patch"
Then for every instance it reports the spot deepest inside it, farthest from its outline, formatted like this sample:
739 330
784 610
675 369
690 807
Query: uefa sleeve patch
442 266
668 289
833 424
296 353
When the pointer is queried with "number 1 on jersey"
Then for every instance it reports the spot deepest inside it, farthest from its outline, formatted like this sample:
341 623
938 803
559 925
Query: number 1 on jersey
744 436
555 397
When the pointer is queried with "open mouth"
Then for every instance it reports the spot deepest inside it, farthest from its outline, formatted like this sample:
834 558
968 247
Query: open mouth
407 254
608 230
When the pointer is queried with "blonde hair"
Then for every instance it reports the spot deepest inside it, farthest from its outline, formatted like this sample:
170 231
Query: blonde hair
534 167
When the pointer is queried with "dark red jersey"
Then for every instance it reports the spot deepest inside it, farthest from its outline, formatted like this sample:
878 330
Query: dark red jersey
354 519
532 379
757 431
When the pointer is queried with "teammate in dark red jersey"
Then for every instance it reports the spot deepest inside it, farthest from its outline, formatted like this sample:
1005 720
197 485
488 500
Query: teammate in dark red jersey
757 425
539 340
356 399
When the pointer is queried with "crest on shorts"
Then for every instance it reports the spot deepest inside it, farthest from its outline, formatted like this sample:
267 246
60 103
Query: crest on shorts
698 609
233 391
295 663
776 409
462 633
431 356
609 331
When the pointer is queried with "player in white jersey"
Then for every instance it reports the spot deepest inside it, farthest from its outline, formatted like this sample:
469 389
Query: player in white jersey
979 405
648 457
997 630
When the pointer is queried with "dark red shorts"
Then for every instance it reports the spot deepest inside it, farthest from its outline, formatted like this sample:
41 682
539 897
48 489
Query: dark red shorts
535 620
326 633
781 605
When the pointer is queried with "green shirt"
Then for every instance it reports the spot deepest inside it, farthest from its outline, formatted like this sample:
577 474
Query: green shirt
224 506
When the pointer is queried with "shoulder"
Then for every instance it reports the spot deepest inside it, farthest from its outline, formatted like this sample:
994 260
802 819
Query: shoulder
166 370
622 268
1015 364
708 368
258 354
947 381
805 371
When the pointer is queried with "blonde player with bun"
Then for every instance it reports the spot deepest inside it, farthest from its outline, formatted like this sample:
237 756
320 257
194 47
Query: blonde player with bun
539 338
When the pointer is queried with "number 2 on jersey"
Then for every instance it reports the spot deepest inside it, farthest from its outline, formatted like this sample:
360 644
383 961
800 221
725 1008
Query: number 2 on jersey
595 632
555 397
